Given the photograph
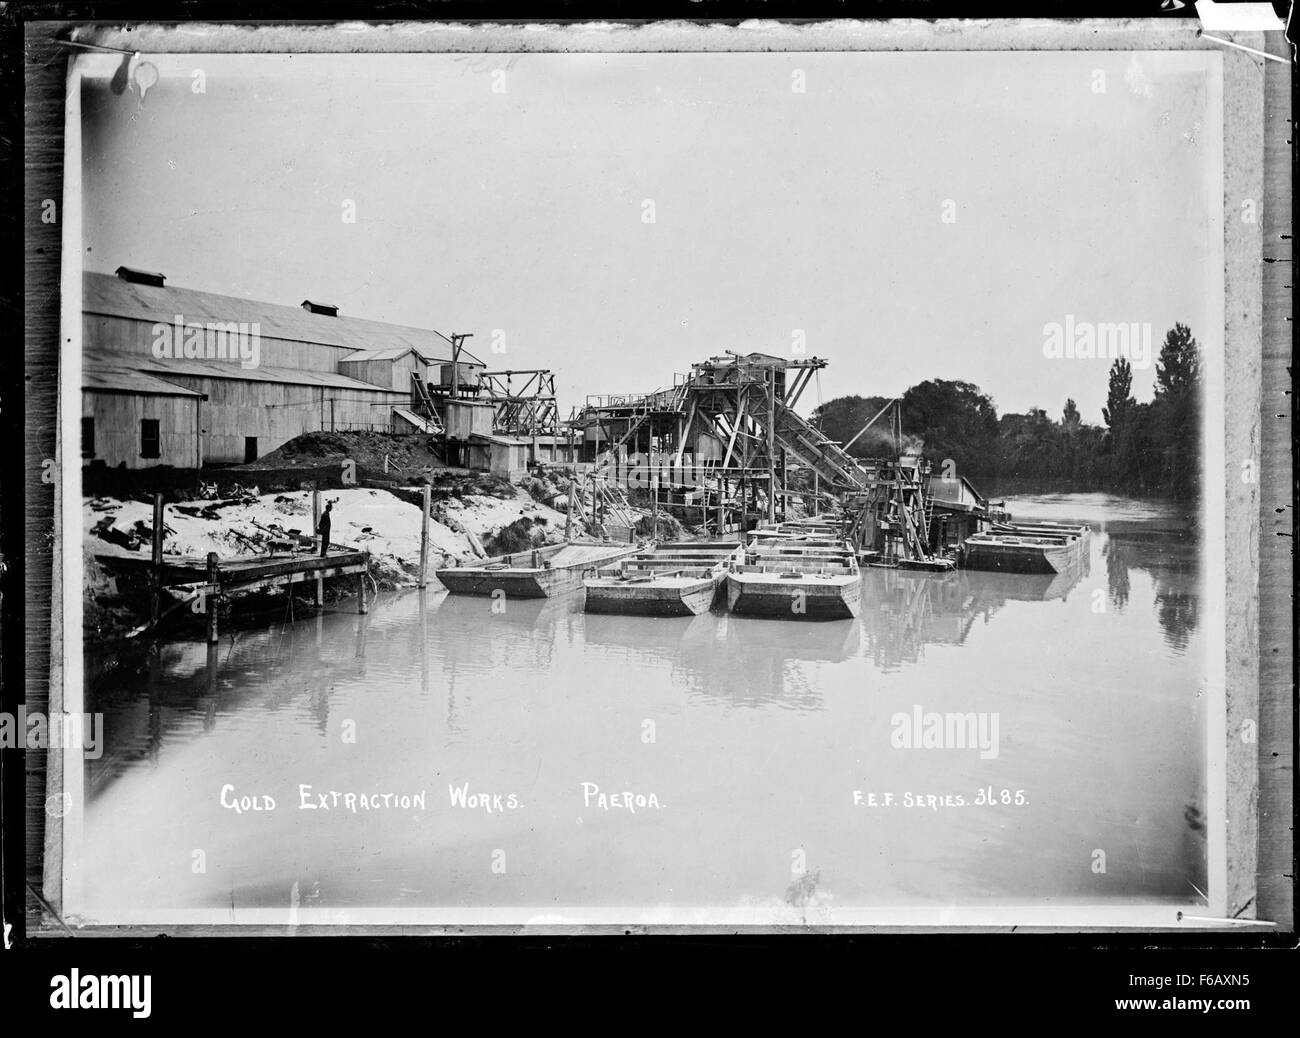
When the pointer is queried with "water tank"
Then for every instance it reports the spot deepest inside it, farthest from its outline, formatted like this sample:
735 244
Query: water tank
468 375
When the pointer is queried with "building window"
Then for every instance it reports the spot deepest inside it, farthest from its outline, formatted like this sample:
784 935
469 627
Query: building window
88 437
250 449
149 439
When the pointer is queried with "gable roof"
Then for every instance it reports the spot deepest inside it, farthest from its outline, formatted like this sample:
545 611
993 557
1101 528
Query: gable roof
113 297
148 368
122 380
393 354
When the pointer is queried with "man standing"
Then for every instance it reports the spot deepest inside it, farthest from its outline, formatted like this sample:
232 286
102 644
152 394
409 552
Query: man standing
323 530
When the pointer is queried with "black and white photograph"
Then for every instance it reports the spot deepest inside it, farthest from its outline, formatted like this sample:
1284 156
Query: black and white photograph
702 478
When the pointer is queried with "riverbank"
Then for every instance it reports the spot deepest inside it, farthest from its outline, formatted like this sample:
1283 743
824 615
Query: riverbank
472 516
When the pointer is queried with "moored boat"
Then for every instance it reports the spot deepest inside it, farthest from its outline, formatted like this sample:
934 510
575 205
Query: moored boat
1027 548
677 578
796 576
538 573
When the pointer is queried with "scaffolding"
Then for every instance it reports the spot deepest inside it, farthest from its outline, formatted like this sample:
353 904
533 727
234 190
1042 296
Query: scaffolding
524 409
725 445
725 439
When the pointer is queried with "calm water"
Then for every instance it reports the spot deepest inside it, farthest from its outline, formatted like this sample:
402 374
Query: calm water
761 740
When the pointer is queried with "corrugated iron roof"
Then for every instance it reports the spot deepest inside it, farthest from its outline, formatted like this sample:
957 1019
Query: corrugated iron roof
511 441
114 297
231 370
125 380
393 354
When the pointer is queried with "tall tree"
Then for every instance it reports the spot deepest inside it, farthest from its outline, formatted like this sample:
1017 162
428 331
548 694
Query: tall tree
1179 369
1119 397
1176 413
1071 420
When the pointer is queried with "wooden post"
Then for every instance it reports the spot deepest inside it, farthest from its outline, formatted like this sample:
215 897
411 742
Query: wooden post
156 558
211 603
568 519
785 461
316 528
424 537
361 592
744 494
771 446
816 501
654 513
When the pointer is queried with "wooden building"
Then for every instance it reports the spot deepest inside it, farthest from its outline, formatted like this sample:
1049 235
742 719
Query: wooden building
174 376
504 456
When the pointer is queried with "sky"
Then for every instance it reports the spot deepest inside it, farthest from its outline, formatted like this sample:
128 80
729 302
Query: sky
905 217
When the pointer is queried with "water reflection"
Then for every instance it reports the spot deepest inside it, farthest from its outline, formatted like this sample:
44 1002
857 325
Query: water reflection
1171 560
1159 540
762 730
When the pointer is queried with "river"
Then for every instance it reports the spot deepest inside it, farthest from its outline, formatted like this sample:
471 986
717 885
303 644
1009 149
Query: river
772 765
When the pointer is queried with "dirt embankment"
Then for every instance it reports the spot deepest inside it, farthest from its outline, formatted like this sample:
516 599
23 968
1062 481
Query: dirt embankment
470 517
374 454
245 511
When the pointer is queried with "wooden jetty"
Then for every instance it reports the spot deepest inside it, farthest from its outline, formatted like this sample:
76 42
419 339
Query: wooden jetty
1027 548
538 573
678 578
796 576
200 582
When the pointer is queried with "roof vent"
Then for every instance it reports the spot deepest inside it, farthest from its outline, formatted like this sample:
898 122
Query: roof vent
326 309
140 277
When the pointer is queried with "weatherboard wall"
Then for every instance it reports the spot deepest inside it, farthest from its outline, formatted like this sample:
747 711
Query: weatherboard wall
117 418
276 412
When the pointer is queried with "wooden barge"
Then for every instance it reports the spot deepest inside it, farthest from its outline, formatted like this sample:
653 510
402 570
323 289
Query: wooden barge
679 578
789 574
539 573
1027 548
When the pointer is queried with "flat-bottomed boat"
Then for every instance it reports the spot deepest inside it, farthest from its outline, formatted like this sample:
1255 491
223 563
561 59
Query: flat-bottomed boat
794 576
679 578
538 573
1027 548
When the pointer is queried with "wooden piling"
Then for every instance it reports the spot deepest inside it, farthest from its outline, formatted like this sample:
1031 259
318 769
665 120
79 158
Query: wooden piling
155 559
654 494
315 528
211 602
361 592
424 536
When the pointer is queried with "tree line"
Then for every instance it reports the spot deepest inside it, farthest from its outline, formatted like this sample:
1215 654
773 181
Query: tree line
1147 449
